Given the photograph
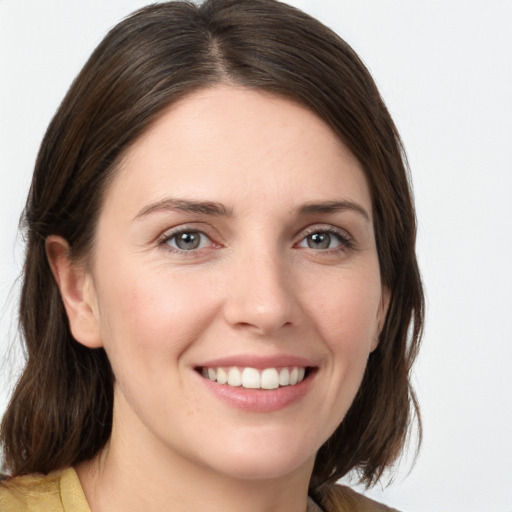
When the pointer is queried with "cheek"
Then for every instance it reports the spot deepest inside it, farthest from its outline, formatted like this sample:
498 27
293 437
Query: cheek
149 319
347 311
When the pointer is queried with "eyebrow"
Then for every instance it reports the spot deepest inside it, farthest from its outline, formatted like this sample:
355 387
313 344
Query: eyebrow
332 207
185 205
220 210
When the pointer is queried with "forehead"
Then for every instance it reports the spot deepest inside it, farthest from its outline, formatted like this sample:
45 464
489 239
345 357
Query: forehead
233 144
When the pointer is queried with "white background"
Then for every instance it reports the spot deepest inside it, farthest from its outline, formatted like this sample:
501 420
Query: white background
444 68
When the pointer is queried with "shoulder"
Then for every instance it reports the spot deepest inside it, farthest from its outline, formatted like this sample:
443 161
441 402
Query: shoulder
58 491
339 498
30 491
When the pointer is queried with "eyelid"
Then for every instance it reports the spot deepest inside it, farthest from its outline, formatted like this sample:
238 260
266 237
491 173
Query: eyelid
324 228
346 239
185 228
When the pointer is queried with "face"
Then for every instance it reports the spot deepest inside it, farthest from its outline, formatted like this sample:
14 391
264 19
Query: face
236 285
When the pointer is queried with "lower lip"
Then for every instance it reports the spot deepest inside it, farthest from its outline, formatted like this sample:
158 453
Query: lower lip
259 400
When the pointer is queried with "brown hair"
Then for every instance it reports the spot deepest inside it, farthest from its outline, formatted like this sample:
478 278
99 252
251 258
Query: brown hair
61 410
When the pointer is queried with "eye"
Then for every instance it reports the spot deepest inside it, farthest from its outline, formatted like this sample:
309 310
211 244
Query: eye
187 240
322 240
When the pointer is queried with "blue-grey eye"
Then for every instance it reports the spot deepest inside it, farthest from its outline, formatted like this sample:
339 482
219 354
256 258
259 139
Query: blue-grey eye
188 240
321 240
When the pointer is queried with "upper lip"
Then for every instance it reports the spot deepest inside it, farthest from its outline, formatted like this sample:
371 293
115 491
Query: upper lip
257 361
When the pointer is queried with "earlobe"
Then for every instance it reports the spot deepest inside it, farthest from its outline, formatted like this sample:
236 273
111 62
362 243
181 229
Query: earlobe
77 291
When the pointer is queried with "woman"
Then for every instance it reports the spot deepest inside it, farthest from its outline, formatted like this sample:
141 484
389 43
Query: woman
221 302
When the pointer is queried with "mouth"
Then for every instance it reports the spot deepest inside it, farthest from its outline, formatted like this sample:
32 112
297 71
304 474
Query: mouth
256 378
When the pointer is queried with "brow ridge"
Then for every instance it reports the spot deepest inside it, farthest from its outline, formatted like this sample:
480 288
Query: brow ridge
219 209
185 205
327 207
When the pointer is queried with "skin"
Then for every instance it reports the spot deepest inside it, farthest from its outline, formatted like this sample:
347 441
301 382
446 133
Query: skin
253 286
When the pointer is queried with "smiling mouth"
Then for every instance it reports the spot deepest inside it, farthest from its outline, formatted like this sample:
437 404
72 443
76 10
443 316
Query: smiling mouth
253 378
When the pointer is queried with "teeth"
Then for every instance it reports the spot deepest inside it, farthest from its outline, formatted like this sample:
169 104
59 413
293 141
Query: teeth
234 377
284 377
222 376
269 378
251 378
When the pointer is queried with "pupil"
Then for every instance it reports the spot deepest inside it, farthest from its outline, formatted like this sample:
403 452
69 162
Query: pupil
187 241
319 241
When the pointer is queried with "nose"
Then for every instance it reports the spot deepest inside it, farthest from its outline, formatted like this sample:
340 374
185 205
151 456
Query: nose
260 294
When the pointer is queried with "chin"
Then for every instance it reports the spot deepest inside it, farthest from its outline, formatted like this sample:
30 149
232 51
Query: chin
270 468
263 460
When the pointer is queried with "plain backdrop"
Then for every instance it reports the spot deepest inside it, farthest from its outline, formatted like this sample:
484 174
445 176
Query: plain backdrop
444 68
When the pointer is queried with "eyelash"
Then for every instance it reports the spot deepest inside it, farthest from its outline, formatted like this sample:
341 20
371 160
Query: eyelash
167 237
345 241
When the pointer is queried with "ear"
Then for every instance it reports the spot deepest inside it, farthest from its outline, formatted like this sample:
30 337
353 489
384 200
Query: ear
381 316
77 290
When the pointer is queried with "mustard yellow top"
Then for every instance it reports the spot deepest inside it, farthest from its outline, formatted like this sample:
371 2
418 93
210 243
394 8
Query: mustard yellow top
61 491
